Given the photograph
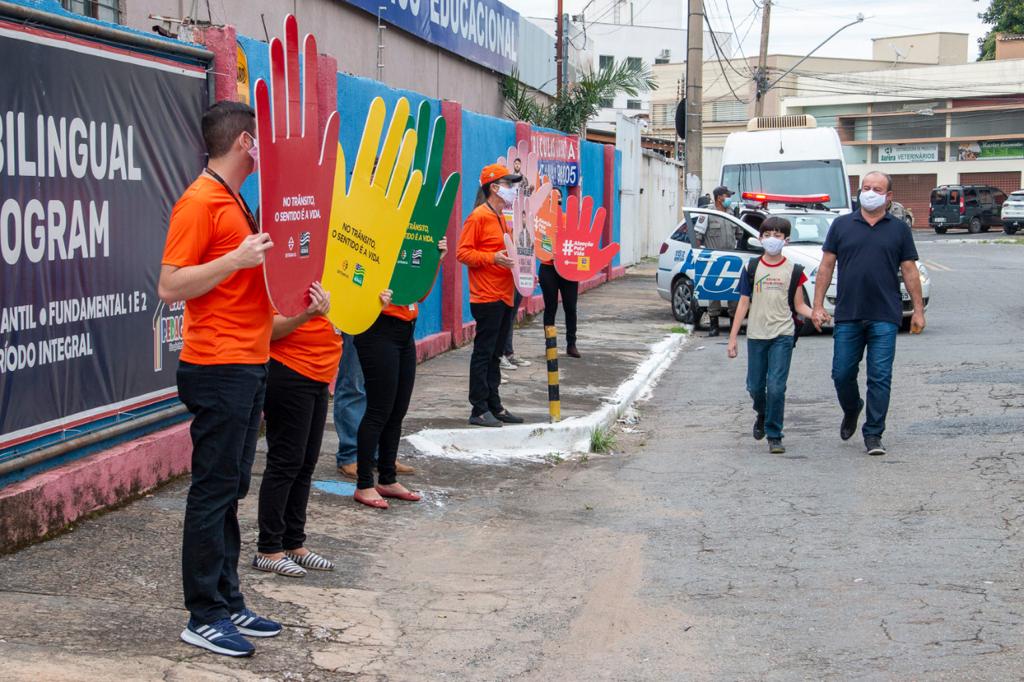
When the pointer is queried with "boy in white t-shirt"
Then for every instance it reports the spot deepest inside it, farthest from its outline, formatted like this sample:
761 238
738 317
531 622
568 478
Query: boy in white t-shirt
771 291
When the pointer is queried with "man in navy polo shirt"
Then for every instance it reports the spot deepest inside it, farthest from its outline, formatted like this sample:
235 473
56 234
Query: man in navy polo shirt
870 246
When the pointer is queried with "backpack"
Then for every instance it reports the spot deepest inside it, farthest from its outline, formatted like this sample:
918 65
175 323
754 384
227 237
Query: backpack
794 282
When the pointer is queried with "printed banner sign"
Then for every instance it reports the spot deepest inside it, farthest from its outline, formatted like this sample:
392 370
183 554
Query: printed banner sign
369 219
420 257
908 153
87 183
1007 149
296 172
558 157
482 31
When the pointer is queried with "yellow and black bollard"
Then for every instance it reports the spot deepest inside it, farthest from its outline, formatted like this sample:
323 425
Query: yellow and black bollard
551 353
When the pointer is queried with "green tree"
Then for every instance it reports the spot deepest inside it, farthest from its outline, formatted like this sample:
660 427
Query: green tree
1004 16
578 102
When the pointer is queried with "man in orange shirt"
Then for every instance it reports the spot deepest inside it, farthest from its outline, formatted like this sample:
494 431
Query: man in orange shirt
212 262
491 292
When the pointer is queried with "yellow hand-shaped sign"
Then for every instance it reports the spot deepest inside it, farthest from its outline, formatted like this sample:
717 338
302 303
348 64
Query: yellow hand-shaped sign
368 221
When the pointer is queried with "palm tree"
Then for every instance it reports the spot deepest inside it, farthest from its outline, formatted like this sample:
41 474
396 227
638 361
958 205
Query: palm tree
578 102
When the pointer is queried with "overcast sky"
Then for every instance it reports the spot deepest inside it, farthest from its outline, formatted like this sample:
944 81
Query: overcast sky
798 25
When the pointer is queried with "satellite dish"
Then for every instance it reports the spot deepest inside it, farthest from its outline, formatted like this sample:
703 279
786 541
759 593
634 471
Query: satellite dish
900 54
681 119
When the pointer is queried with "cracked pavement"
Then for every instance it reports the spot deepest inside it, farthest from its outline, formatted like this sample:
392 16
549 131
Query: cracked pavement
689 553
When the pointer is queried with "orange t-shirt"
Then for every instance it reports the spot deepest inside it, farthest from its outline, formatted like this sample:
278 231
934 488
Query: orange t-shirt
313 350
407 313
483 235
231 323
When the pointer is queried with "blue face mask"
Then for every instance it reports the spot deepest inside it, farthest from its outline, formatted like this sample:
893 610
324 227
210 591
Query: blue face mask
727 202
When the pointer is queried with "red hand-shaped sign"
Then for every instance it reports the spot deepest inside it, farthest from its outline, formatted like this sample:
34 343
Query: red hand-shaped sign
296 171
578 253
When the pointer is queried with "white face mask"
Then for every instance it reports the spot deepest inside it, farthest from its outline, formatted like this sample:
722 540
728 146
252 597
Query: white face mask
508 194
872 201
772 245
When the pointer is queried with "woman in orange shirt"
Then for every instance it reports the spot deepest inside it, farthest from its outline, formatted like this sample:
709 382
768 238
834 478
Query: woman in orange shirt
304 355
491 292
387 355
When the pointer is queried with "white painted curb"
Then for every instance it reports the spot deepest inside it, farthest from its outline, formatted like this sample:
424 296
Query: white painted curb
525 442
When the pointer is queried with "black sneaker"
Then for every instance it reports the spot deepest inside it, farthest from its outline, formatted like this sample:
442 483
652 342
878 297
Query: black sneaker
775 446
485 419
849 425
873 445
508 417
759 427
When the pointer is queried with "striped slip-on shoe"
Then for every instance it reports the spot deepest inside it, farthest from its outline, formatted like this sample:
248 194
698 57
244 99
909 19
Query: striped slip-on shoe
283 566
312 561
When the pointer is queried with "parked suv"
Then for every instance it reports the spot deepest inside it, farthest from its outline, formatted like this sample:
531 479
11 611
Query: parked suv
1013 212
975 207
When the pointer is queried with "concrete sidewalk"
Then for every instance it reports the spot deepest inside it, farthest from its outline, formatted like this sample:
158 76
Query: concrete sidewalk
103 601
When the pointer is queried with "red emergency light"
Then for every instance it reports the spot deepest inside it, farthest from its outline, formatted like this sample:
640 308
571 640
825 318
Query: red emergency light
765 198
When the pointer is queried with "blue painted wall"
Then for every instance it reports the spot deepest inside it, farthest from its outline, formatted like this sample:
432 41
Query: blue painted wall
617 227
484 139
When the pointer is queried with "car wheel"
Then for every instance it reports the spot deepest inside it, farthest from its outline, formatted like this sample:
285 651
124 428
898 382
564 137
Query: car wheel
1010 229
940 230
682 300
905 324
974 227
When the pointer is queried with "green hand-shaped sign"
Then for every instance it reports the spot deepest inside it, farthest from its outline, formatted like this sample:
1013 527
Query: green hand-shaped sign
420 257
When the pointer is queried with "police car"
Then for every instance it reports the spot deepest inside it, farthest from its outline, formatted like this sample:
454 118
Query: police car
690 277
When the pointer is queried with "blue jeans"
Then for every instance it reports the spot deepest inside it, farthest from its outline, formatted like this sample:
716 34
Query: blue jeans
850 339
349 401
767 373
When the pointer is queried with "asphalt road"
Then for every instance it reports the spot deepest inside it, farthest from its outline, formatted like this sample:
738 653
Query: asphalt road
689 553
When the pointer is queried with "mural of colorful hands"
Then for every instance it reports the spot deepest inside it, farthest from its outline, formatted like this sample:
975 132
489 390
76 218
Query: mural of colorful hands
419 257
297 171
578 252
369 217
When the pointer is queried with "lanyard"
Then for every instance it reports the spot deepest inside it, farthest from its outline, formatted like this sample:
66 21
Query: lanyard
501 219
249 218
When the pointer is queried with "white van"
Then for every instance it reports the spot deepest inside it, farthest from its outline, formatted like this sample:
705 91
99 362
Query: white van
787 155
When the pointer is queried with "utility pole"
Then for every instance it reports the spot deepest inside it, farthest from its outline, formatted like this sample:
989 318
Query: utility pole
559 52
761 79
694 100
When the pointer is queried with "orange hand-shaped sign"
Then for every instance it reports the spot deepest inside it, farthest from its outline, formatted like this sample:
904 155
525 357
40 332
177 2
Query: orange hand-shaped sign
578 252
549 215
297 169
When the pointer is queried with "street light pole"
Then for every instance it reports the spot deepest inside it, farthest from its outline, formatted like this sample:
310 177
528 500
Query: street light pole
559 51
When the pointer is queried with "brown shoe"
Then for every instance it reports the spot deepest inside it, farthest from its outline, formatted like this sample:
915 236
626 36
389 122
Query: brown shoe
572 352
348 470
404 469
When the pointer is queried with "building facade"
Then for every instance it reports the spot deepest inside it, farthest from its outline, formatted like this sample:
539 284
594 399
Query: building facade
926 126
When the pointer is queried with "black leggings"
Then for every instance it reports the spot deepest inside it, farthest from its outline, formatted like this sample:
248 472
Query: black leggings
296 410
387 354
552 284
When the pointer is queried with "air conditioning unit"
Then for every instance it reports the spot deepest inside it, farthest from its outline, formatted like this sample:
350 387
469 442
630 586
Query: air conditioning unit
665 54
779 122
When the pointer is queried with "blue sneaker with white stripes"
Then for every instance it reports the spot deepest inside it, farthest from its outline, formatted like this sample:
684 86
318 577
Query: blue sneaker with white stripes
248 623
220 637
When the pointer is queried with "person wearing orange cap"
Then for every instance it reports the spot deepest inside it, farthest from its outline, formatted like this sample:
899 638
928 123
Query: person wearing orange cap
491 291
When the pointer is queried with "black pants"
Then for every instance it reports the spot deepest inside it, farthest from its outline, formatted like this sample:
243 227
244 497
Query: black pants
227 404
387 354
552 284
296 411
508 350
492 326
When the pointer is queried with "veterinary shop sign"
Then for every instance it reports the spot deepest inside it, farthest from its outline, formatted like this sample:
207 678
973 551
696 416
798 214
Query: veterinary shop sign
558 157
483 31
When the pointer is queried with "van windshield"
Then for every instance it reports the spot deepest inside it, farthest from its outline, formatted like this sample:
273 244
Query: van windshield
791 177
